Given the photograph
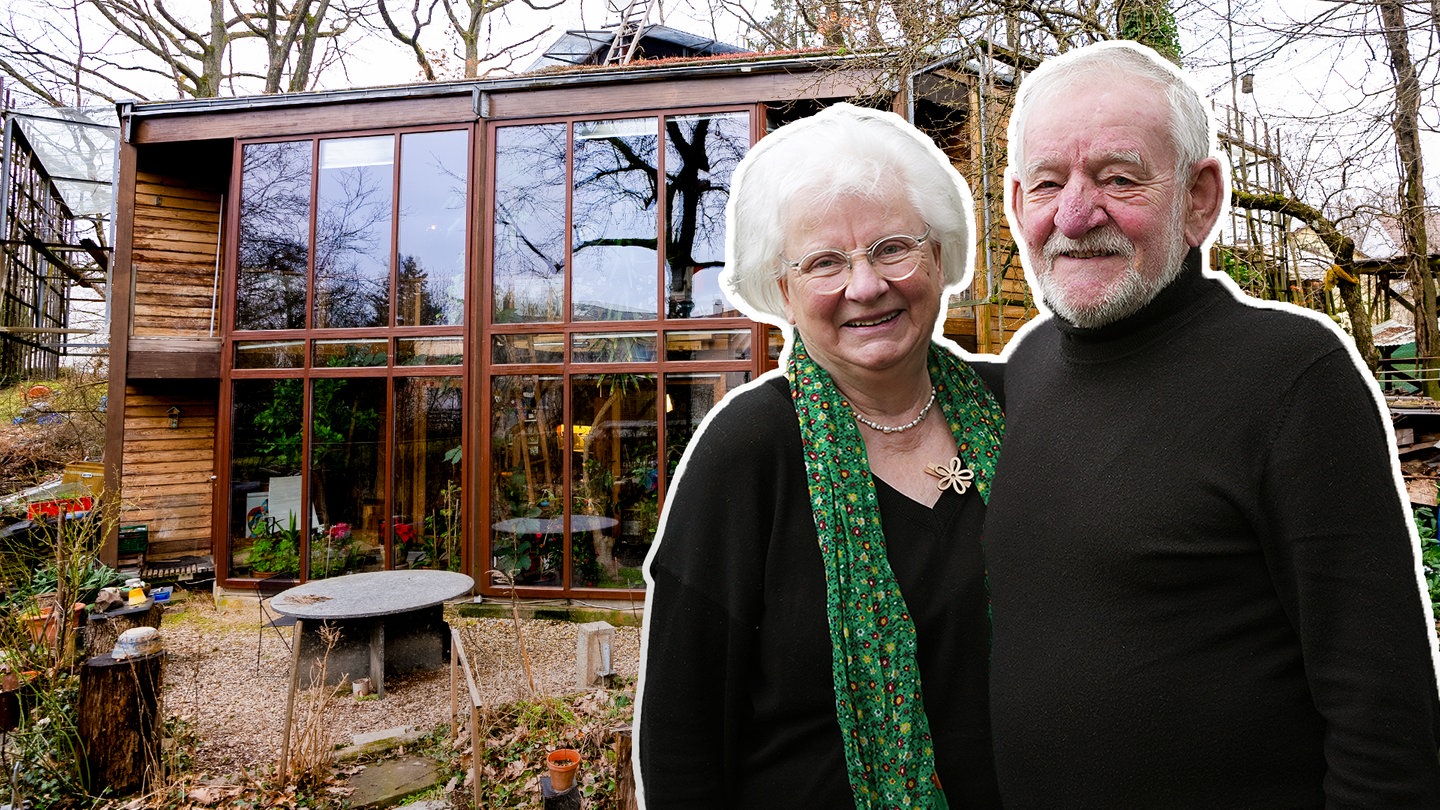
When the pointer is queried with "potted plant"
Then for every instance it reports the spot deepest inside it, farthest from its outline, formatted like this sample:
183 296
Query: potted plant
562 764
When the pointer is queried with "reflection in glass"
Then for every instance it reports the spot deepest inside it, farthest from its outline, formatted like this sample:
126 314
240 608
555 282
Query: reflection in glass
615 221
429 526
270 354
542 348
614 483
701 152
442 350
352 353
352 232
433 179
274 236
347 478
688 397
712 344
527 454
528 278
775 341
612 347
266 533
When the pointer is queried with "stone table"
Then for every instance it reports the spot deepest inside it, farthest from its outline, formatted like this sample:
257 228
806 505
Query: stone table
403 607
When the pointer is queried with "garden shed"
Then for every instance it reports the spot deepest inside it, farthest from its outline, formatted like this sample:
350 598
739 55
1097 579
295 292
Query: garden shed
466 325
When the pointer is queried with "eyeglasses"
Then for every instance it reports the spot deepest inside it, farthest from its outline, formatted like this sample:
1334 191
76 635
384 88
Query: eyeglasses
894 258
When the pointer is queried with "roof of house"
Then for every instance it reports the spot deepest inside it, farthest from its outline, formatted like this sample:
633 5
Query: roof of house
581 47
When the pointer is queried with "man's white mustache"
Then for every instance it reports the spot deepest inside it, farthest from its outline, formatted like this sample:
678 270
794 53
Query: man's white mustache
1105 241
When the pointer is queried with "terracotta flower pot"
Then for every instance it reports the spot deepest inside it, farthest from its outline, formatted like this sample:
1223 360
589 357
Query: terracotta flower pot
562 763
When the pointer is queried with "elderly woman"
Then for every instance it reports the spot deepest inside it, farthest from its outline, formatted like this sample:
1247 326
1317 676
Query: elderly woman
816 628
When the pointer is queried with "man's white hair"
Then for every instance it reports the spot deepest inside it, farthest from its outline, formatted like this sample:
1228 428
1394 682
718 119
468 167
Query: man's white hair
1191 128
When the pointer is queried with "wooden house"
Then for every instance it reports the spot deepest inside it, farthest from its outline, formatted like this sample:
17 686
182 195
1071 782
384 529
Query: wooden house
467 325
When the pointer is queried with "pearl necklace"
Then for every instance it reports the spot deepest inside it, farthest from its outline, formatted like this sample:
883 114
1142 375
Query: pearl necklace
887 429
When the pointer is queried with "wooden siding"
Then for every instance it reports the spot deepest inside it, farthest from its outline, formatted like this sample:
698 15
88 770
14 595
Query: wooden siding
167 480
174 244
955 96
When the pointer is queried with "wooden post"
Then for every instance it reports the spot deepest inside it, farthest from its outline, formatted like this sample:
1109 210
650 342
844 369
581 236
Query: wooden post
290 704
477 756
624 772
119 721
455 686
377 655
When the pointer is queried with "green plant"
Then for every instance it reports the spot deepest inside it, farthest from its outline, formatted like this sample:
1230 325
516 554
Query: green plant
333 551
1424 517
46 745
276 552
443 532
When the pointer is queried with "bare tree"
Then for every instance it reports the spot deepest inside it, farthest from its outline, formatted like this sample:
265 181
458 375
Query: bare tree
466 23
102 50
1364 134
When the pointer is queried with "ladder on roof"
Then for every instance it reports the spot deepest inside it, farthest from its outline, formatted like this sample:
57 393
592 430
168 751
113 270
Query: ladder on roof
627 32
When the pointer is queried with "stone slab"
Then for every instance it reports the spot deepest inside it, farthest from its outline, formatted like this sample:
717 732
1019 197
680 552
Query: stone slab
385 783
378 742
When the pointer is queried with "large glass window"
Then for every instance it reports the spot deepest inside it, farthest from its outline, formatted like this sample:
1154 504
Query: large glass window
701 152
274 261
432 224
352 232
346 402
528 241
590 412
613 240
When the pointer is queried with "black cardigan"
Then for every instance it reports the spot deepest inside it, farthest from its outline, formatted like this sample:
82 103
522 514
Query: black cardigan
737 702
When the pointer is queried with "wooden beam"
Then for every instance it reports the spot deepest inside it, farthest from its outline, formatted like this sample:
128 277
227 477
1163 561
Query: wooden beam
170 365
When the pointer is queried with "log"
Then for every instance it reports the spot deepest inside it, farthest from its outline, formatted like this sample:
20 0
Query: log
119 721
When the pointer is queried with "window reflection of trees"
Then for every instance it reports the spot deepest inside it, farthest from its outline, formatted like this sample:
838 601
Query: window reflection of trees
433 181
529 232
274 236
701 152
616 193
352 234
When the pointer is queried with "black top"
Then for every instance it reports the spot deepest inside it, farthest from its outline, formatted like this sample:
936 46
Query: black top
1205 594
737 700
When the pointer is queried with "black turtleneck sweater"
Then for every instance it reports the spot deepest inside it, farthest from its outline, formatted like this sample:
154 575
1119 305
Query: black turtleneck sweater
1204 591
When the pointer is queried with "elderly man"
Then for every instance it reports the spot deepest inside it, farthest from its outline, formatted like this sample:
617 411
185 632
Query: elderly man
1205 587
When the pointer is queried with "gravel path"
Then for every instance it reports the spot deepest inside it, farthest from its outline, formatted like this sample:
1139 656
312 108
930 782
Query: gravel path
237 708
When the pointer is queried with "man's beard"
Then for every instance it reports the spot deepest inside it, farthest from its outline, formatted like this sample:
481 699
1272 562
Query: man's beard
1127 294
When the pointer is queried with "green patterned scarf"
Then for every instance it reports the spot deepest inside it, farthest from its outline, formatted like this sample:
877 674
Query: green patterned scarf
888 751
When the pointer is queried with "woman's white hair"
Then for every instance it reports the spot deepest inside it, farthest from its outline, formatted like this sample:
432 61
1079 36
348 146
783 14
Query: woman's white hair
1192 130
802 168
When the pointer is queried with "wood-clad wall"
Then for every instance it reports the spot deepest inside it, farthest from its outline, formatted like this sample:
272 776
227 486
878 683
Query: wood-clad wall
167 470
176 239
990 326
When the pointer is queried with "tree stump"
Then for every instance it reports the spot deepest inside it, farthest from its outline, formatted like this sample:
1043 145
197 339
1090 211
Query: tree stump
104 628
119 721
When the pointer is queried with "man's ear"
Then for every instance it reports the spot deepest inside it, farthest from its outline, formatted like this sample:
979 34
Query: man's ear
1015 200
1203 201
